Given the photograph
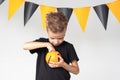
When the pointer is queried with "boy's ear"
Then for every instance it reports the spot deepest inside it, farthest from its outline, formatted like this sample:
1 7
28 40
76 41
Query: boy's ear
46 31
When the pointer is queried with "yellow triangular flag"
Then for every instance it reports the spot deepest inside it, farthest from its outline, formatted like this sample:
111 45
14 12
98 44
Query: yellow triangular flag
45 10
13 6
82 16
115 9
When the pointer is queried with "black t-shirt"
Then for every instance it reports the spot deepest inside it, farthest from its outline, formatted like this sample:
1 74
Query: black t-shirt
43 71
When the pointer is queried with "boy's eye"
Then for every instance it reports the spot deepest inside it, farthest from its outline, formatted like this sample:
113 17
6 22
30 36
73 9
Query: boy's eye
60 38
57 38
52 38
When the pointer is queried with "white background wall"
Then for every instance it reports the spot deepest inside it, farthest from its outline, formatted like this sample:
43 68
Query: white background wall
98 50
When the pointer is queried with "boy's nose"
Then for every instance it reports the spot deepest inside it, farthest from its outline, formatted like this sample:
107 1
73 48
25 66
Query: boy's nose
56 41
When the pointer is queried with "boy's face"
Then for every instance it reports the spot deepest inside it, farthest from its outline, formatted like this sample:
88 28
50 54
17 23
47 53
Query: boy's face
56 38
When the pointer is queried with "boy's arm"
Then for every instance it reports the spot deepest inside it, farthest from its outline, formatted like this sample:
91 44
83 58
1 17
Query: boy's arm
73 67
34 45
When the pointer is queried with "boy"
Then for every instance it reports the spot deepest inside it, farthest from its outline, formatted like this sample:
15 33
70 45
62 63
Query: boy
56 29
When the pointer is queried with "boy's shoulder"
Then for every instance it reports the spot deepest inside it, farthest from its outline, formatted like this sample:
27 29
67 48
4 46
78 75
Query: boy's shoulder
42 39
67 43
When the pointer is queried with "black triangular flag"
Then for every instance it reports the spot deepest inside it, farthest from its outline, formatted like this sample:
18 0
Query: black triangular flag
102 13
66 11
29 10
1 1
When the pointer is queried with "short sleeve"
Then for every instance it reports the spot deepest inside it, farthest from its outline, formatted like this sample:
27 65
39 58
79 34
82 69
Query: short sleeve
72 53
38 49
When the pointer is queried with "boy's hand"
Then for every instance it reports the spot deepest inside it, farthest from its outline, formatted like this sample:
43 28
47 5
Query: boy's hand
57 64
50 47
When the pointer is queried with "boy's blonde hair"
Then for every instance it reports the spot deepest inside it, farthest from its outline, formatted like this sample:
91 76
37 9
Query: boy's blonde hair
56 22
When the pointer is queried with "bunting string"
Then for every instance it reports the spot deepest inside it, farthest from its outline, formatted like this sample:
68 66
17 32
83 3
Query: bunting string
81 13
